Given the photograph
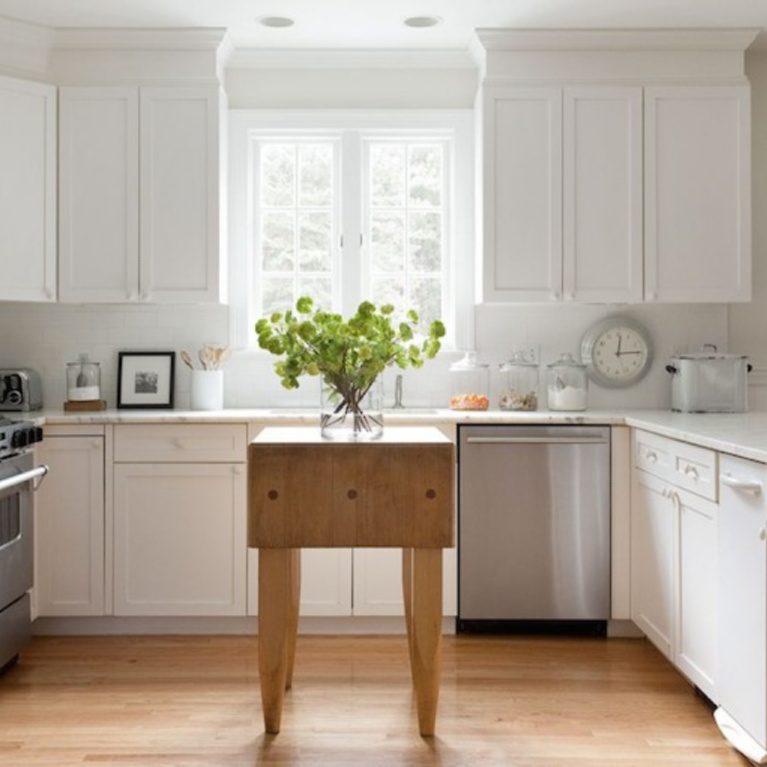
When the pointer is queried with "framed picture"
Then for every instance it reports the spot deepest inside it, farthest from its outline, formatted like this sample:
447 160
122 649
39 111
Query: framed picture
145 379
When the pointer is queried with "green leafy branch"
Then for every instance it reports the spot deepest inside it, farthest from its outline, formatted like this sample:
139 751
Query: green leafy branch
348 354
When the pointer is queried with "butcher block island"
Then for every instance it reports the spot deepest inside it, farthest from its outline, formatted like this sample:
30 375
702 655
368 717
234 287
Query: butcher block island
304 491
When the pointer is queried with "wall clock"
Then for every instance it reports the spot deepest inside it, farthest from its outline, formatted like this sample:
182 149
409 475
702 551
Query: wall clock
618 352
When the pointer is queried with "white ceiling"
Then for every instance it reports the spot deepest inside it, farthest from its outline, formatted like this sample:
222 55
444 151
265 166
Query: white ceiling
377 24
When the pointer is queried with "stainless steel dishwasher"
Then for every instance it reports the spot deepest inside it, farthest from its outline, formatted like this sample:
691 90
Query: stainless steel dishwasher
533 528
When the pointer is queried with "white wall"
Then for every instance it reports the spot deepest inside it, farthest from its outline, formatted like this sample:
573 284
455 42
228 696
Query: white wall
47 336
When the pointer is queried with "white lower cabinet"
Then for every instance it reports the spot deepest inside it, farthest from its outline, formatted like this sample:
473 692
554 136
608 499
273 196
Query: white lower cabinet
69 532
180 539
674 552
652 560
742 682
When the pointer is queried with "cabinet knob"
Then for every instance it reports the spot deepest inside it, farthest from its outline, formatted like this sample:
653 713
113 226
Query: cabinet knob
554 295
762 534
272 495
691 471
431 494
236 469
651 456
351 494
132 295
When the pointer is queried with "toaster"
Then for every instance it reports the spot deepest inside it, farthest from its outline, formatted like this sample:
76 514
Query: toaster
709 382
20 389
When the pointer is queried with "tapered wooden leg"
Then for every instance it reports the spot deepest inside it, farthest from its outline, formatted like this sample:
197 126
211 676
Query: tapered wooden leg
275 590
407 595
295 599
427 634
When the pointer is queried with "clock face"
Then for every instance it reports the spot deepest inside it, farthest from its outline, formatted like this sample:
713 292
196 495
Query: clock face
618 352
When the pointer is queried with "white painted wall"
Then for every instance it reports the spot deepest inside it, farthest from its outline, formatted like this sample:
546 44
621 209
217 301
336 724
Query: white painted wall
46 337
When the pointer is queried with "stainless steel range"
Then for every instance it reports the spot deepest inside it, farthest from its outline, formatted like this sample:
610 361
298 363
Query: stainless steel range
19 478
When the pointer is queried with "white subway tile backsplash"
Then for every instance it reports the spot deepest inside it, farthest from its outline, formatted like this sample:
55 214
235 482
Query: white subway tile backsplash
47 336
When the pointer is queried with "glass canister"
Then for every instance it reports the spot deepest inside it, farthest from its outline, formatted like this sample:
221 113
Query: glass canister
519 387
83 380
567 384
469 384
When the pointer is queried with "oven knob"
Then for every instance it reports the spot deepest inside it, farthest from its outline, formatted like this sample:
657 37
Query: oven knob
13 397
38 434
19 438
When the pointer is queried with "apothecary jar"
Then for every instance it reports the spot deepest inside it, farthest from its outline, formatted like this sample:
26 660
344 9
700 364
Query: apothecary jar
567 384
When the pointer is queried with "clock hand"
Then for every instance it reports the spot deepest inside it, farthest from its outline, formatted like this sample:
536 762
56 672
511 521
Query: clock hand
621 354
620 341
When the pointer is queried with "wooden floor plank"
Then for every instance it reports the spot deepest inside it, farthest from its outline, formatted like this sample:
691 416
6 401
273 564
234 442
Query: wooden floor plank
194 701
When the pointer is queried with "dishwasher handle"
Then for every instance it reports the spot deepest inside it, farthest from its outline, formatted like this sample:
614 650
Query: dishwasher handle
536 440
744 485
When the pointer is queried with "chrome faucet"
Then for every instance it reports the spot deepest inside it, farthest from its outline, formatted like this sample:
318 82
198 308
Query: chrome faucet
398 392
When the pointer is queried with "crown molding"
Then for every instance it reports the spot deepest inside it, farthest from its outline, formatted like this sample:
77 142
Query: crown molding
250 58
25 48
139 39
648 39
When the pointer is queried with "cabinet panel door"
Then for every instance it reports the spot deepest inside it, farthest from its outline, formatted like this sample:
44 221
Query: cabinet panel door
696 651
98 195
522 186
697 194
27 190
180 539
652 560
742 662
602 194
179 194
69 537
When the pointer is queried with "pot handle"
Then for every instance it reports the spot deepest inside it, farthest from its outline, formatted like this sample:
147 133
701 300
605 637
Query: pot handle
671 369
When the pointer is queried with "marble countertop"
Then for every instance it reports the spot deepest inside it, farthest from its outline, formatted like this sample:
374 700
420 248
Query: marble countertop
741 434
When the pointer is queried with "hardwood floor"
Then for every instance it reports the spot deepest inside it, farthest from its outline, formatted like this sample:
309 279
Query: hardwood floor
522 702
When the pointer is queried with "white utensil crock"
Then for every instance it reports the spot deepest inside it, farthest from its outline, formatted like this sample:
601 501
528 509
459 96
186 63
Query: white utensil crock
207 390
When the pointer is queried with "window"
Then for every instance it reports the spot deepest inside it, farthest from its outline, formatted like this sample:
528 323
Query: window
351 208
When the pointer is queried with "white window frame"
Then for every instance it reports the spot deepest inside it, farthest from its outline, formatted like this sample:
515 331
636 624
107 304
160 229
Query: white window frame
458 125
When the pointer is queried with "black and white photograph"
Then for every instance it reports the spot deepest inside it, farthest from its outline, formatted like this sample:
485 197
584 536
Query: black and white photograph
145 379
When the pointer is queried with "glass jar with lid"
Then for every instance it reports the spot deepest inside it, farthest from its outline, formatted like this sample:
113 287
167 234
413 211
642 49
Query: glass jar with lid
567 384
469 384
519 383
83 380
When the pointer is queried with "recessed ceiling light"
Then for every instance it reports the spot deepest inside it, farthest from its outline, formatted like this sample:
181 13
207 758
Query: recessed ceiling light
276 21
420 22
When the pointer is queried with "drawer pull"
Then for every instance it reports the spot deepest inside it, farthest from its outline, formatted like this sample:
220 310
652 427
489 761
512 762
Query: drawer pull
651 456
272 495
692 472
351 494
177 443
431 494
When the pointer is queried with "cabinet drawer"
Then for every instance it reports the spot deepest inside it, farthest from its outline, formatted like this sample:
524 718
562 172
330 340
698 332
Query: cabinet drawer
687 466
177 443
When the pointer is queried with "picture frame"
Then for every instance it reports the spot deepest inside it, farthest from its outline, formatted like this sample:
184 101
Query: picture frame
145 379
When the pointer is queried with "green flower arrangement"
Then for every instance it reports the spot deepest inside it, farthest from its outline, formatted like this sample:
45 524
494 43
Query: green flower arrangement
349 354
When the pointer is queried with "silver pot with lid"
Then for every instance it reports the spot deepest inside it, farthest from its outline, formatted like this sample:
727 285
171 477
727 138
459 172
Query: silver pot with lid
709 381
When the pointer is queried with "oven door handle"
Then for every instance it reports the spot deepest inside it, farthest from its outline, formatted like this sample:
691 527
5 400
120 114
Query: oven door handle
25 476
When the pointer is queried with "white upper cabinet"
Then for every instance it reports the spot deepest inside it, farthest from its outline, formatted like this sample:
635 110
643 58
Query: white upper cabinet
522 193
27 190
615 166
98 194
179 209
602 200
139 194
698 193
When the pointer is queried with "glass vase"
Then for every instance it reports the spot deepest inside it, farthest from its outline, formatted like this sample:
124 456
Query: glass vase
349 421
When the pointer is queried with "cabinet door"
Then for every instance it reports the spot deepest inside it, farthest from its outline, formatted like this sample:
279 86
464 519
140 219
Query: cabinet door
652 560
27 191
522 190
696 645
180 194
742 662
602 190
180 539
69 536
378 582
98 195
697 194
